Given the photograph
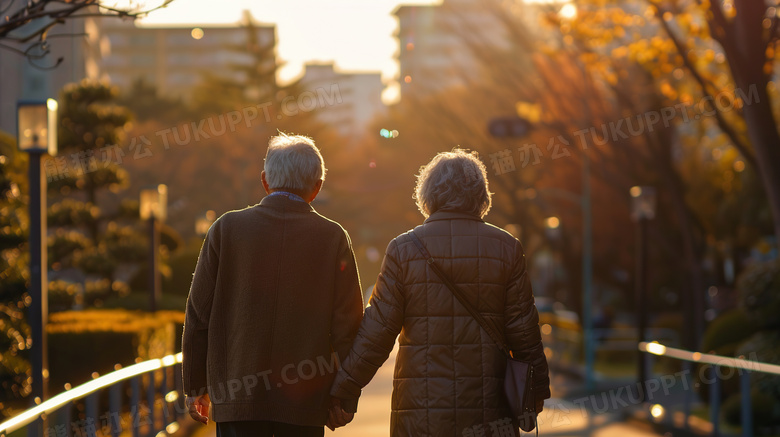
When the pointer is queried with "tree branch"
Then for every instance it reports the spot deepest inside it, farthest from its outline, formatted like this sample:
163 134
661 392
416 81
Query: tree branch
729 130
63 10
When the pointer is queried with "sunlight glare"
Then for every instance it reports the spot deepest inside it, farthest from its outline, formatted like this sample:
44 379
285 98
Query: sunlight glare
568 11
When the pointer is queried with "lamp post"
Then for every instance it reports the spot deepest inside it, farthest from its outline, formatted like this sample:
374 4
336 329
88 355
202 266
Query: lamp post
643 204
583 201
37 135
517 127
154 208
552 229
203 223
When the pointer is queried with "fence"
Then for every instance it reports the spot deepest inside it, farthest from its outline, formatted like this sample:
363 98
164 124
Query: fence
565 341
54 417
744 368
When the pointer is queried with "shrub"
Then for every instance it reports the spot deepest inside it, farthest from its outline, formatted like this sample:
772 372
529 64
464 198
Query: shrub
64 246
125 244
766 412
96 292
72 213
96 261
722 337
82 342
182 267
759 292
764 346
728 330
62 295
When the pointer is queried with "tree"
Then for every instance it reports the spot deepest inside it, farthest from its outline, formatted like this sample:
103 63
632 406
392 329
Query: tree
577 95
728 50
27 24
244 83
609 37
87 236
747 32
145 102
223 165
14 331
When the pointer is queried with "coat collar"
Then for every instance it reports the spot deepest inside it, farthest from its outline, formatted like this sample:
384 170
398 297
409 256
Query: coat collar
451 215
286 203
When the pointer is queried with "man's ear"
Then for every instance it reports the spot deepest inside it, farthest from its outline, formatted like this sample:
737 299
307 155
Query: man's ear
265 183
315 191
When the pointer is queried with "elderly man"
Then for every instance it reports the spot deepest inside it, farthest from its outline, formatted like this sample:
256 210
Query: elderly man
274 306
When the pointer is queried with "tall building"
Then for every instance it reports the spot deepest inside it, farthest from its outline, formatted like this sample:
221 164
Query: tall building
356 97
174 59
439 44
23 79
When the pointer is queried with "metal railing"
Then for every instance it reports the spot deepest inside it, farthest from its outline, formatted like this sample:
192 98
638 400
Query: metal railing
159 412
566 343
743 366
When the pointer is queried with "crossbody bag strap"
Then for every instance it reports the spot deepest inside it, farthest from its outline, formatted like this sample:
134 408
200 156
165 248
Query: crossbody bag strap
461 296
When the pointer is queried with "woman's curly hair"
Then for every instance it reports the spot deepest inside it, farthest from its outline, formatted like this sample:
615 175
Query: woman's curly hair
453 181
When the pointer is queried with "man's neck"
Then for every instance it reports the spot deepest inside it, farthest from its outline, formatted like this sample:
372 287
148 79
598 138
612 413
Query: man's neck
289 194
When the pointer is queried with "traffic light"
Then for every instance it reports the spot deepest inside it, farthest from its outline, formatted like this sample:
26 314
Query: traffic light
509 127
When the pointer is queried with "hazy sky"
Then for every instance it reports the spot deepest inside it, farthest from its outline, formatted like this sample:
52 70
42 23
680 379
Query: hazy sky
357 34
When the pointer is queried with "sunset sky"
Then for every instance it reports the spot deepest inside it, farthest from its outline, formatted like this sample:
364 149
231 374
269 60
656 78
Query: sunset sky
357 34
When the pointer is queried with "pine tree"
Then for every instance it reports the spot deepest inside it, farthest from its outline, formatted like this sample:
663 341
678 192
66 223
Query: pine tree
247 83
14 330
84 235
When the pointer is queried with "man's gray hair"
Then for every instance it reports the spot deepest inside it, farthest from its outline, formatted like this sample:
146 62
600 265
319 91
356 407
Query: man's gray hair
453 181
293 162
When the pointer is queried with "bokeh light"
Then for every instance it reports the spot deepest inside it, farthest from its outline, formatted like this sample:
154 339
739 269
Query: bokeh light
568 11
657 411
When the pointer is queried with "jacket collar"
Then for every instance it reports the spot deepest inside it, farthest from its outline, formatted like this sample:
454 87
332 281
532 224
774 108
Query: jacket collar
286 203
451 215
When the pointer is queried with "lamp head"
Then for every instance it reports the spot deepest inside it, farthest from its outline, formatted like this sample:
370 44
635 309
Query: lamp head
37 126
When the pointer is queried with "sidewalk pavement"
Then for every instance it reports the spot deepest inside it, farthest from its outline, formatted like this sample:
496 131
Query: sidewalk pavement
566 414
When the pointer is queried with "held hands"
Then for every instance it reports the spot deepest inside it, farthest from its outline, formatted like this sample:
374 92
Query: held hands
337 417
199 407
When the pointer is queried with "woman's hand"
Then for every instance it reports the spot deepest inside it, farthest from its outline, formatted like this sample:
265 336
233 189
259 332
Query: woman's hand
337 417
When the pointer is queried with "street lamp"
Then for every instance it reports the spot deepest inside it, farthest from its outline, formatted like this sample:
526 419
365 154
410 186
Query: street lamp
552 229
515 127
154 208
203 223
552 224
643 205
37 135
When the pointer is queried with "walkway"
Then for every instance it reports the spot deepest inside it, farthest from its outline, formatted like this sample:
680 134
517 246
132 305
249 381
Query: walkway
561 417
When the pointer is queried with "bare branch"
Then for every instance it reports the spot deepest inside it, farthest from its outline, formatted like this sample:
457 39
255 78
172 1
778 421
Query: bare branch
32 16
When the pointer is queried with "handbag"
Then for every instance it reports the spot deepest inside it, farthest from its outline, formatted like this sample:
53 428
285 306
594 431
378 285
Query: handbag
518 378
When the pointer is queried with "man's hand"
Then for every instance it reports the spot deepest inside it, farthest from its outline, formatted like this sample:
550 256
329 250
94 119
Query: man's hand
199 407
539 406
337 417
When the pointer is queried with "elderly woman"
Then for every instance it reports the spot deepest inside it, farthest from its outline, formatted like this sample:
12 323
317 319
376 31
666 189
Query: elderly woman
448 372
